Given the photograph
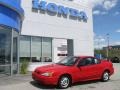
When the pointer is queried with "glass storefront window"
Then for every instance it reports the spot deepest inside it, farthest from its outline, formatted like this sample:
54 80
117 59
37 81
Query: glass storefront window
8 51
15 52
15 46
36 49
46 49
5 50
25 42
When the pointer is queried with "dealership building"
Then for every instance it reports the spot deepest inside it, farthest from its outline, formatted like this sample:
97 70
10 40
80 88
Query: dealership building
43 32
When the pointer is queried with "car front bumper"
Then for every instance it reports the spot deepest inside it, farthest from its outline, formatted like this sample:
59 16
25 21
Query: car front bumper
44 79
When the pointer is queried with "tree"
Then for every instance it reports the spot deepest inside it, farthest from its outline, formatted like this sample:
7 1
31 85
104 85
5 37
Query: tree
112 53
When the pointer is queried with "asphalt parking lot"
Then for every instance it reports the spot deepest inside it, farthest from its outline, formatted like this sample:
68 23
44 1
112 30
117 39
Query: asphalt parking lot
26 83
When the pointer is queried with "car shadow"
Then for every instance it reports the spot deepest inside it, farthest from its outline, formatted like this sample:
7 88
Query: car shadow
86 82
40 86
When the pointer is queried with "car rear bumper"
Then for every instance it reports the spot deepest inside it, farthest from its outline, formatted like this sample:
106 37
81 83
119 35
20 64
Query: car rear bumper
44 79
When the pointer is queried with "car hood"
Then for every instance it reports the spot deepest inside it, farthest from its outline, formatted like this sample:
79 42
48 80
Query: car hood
52 67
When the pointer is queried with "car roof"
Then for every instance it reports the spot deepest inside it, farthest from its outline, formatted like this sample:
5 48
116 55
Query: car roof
84 56
81 56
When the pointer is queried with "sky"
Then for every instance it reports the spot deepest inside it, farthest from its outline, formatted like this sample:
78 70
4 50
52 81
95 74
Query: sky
106 21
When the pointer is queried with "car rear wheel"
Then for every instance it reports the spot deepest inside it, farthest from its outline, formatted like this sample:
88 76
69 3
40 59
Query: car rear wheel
64 82
105 76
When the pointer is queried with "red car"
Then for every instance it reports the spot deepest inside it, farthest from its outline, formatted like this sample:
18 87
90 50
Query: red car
73 69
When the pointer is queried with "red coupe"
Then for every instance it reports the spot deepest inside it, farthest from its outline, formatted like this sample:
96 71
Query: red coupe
73 69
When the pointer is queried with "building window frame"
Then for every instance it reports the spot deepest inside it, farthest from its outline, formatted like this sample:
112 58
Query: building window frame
31 42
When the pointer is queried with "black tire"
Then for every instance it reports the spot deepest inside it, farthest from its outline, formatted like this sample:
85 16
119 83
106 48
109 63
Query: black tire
64 82
105 76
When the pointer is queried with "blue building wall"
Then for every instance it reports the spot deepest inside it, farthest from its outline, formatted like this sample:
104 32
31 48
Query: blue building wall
11 13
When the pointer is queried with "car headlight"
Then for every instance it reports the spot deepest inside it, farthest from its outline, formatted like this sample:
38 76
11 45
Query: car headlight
48 74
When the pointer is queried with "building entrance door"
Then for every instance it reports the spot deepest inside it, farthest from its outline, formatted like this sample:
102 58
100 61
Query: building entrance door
8 51
5 52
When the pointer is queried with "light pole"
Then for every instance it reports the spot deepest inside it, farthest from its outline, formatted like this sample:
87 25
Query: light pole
99 41
99 47
107 52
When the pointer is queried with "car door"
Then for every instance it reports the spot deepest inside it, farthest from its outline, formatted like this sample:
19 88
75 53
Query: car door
97 69
88 69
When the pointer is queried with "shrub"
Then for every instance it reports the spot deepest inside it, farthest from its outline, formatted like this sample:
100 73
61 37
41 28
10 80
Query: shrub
24 66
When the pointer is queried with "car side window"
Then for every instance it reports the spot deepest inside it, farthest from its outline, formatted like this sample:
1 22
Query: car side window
96 61
81 63
86 61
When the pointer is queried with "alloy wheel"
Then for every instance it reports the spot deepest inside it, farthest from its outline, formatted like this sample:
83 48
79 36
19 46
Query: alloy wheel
64 82
105 76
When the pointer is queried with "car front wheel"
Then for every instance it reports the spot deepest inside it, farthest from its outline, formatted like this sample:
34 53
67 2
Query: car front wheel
64 82
105 76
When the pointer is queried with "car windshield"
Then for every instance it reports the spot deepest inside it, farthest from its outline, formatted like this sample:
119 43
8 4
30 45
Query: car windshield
68 61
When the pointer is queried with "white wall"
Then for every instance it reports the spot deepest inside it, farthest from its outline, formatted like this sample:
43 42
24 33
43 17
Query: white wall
37 24
57 43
